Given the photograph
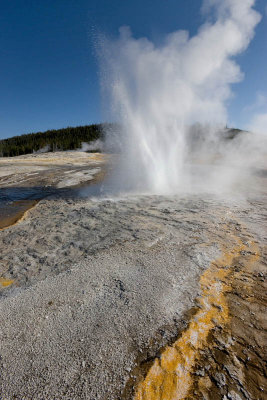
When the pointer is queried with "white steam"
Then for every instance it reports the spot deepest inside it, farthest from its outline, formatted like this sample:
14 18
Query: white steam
258 123
44 149
95 145
158 92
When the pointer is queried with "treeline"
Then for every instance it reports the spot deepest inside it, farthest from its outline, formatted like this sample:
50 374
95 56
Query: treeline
52 140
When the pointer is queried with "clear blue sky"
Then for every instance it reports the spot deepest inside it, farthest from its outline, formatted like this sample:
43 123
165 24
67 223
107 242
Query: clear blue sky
49 73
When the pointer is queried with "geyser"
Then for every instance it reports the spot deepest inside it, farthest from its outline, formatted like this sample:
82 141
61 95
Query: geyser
157 92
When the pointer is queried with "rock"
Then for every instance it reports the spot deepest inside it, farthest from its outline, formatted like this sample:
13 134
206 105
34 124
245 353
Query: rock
200 372
233 396
220 379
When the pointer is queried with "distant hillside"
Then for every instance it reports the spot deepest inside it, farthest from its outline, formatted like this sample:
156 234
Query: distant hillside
52 140
72 139
231 133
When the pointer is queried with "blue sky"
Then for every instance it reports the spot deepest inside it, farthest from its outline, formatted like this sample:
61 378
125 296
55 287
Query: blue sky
48 68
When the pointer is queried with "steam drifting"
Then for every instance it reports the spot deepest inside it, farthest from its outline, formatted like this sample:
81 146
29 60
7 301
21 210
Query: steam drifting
166 95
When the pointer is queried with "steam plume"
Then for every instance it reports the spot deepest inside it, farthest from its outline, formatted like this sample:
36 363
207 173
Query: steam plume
158 92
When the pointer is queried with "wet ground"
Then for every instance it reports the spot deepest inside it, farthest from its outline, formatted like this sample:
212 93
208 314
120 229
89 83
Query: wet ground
14 202
138 297
27 179
102 320
222 352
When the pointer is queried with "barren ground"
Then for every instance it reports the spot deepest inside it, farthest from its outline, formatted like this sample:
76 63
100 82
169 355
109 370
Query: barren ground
59 169
33 177
146 297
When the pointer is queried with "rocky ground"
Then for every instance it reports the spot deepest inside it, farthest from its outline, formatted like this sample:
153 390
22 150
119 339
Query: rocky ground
118 298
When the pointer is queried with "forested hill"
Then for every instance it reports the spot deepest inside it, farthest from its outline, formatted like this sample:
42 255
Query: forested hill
72 139
52 140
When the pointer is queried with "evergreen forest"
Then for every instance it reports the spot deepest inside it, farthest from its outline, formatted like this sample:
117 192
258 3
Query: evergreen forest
70 138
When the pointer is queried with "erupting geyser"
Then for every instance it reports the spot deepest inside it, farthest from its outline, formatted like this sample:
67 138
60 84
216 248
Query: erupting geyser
158 91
